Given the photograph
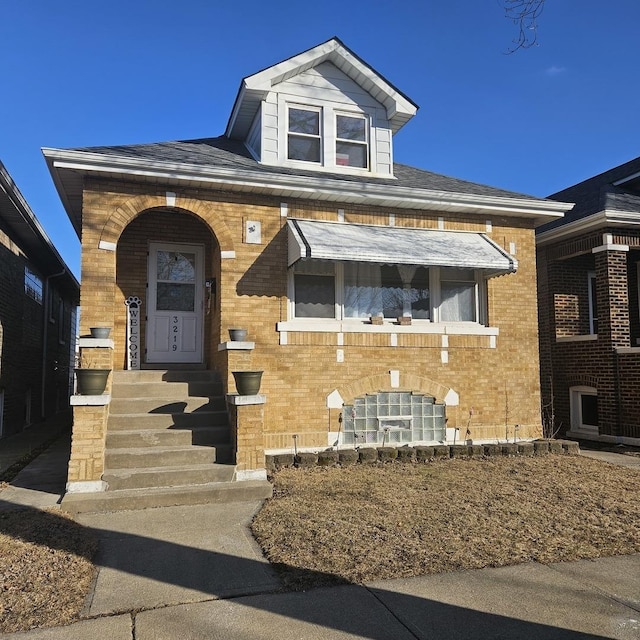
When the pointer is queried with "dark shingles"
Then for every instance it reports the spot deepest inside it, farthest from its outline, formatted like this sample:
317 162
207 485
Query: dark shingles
225 153
598 193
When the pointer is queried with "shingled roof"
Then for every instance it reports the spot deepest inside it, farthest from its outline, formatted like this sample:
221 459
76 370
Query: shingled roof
613 190
232 154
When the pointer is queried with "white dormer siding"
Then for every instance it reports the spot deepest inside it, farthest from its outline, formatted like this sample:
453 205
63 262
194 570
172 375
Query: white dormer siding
329 92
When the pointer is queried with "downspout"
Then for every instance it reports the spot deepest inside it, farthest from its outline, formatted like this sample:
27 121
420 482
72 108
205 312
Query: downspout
45 339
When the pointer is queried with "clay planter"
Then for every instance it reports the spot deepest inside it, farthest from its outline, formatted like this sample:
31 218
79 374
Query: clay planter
247 382
238 335
100 332
92 382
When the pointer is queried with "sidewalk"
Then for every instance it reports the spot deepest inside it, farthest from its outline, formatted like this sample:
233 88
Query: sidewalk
195 572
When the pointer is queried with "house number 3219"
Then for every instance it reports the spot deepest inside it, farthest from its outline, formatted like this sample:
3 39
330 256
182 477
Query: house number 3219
174 333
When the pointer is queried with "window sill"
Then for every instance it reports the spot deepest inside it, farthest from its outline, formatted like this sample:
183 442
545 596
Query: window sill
581 338
100 343
359 326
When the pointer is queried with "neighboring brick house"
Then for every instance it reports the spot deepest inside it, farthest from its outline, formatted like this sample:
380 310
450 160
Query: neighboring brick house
588 287
38 300
384 303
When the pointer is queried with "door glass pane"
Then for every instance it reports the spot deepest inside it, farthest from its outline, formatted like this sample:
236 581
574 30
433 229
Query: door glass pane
175 266
175 297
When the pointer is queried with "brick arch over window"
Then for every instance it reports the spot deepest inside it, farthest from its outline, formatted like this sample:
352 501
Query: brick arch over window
383 382
137 205
582 381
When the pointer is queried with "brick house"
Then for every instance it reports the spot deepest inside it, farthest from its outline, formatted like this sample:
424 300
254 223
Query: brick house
384 303
38 300
588 279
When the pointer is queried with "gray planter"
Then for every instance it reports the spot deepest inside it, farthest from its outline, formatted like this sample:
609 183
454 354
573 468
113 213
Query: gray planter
238 335
100 332
247 382
92 382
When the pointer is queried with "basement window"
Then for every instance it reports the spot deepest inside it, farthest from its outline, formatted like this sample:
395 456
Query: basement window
395 417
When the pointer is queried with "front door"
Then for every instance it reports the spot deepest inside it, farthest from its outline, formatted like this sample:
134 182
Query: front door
175 303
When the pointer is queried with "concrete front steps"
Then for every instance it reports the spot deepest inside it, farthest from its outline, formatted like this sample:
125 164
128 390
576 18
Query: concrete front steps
168 443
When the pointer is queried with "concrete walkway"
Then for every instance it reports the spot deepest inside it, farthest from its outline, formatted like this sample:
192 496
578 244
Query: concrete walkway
195 572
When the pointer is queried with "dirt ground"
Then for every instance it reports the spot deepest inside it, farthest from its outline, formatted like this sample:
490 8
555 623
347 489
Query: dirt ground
45 569
366 523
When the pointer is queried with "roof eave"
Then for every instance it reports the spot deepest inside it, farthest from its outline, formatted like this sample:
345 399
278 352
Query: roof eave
28 228
601 219
326 188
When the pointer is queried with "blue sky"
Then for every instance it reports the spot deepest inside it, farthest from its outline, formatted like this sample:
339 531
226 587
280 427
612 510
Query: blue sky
86 73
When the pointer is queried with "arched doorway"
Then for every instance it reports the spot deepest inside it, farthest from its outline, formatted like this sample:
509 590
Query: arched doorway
166 258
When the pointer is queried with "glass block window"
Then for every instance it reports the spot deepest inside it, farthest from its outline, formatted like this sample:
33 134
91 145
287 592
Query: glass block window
393 417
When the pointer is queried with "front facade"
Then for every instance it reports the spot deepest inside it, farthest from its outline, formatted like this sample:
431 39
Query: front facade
589 279
38 300
384 304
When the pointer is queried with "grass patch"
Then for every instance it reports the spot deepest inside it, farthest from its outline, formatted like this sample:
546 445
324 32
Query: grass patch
45 569
364 523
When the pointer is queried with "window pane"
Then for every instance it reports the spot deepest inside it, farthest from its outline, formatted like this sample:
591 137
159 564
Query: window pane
351 155
362 290
371 289
314 296
458 302
174 266
350 128
589 408
32 285
303 121
307 149
175 297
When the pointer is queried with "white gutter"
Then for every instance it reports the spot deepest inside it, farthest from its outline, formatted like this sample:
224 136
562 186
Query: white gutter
305 186
590 223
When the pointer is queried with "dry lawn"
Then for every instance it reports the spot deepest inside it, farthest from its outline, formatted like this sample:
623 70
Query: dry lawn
363 523
45 569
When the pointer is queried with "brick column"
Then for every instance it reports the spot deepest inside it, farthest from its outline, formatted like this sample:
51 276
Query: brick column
612 293
246 414
614 331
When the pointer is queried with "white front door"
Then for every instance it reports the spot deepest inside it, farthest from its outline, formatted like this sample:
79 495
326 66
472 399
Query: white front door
175 303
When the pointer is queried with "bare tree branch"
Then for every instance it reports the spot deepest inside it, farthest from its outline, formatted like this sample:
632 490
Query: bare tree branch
524 14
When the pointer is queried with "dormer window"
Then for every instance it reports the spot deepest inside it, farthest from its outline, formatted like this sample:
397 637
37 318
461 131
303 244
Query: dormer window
352 146
328 137
304 139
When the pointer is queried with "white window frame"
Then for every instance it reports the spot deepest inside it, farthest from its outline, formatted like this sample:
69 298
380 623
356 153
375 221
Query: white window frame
365 143
328 138
591 280
575 407
480 293
320 136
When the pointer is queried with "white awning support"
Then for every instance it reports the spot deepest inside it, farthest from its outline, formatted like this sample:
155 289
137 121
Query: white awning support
312 239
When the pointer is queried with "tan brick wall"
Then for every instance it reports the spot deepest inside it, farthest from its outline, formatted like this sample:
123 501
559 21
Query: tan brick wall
498 387
87 444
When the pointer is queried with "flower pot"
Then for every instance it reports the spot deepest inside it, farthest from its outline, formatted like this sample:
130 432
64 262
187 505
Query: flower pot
92 382
238 335
247 382
100 332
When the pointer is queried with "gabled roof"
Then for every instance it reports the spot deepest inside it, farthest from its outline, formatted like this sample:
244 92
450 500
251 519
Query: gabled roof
254 88
27 232
223 163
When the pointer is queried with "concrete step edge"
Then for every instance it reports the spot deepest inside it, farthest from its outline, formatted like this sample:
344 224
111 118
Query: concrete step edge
132 499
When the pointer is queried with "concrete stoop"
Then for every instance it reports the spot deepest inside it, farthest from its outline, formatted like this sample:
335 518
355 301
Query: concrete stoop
168 443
